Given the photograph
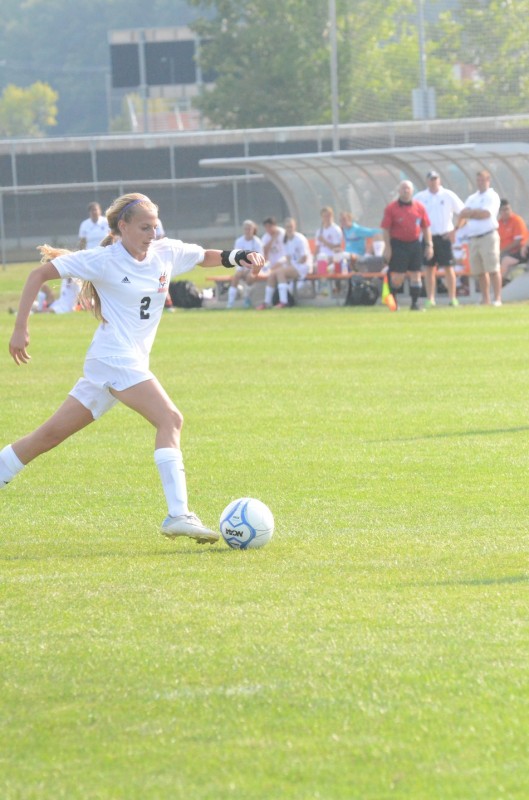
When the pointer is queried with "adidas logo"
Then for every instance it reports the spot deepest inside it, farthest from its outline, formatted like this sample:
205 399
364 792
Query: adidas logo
125 280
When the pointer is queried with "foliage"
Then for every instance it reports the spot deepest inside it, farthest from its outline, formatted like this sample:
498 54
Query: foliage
273 63
65 44
27 112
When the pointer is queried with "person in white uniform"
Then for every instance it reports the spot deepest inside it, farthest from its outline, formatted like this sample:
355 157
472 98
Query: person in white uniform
274 254
93 230
443 207
249 240
295 265
126 283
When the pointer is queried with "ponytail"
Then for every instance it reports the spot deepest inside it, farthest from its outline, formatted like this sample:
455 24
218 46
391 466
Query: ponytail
88 296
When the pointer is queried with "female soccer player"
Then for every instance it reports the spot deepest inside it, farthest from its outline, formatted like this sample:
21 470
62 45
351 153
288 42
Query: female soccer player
126 282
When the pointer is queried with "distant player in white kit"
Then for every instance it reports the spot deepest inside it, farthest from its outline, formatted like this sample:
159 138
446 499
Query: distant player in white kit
248 241
127 280
93 230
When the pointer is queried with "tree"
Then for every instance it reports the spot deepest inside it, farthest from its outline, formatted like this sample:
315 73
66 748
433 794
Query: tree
273 61
27 112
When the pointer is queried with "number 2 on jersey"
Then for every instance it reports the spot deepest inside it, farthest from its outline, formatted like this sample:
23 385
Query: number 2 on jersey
144 305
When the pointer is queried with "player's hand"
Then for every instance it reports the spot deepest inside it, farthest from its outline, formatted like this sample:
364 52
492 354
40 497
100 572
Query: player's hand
18 347
255 261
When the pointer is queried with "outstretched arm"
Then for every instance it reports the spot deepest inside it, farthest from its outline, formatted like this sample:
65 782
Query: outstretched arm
20 338
232 258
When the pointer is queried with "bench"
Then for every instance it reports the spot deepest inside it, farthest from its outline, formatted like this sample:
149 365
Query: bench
331 278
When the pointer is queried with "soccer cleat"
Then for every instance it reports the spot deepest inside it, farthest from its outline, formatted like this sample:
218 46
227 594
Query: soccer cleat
496 303
262 307
247 303
3 484
281 305
453 302
430 303
188 525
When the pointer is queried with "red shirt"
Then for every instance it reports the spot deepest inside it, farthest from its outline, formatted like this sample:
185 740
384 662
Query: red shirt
405 221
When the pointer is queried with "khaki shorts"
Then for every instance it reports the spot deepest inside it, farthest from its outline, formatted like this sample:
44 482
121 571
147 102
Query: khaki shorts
484 253
93 391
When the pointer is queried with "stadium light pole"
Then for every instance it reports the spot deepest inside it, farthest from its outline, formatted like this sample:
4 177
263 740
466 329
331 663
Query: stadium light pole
334 76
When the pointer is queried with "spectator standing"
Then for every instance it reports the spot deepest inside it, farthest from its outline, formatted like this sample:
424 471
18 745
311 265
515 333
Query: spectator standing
481 215
93 229
126 281
405 220
513 236
249 240
443 207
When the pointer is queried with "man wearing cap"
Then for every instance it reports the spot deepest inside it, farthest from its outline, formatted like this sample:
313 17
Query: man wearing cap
442 205
481 215
404 222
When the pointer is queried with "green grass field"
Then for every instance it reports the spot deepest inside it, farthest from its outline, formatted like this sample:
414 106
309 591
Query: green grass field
376 648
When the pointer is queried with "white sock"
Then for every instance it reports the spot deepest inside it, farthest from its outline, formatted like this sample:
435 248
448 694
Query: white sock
283 293
10 464
171 468
269 294
232 294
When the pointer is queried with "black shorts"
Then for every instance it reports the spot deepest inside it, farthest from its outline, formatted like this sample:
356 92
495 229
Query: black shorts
442 253
405 256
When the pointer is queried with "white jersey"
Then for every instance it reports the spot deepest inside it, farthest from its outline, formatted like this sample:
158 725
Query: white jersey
441 207
488 200
93 232
334 235
277 247
297 251
242 243
67 300
132 293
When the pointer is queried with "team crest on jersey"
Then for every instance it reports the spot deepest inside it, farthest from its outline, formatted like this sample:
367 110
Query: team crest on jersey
162 282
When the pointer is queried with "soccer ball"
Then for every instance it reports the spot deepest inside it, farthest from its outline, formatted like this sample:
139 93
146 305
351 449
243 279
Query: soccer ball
246 523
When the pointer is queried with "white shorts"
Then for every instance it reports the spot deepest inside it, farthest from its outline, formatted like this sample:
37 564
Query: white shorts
93 391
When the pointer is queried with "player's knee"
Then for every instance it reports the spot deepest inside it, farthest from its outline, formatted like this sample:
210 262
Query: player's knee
175 419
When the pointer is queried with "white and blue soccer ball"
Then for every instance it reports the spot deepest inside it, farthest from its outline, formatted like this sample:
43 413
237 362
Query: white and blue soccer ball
246 523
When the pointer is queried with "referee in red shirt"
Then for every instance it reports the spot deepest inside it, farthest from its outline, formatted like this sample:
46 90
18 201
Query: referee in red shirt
404 220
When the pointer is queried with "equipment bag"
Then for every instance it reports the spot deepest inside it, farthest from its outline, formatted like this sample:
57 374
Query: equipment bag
362 292
184 294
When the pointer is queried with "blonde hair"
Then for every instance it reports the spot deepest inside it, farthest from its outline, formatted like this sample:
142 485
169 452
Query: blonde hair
123 208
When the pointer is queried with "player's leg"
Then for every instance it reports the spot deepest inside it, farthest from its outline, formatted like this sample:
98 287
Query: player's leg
270 288
232 290
495 282
71 417
430 278
414 274
396 269
150 399
285 272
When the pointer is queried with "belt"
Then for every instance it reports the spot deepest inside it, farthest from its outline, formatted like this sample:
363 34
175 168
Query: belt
481 235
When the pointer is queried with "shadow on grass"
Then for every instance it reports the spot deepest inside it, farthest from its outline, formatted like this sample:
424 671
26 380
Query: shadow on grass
510 579
453 434
200 550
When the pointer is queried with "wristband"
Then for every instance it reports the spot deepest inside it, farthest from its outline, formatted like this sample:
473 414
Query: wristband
233 258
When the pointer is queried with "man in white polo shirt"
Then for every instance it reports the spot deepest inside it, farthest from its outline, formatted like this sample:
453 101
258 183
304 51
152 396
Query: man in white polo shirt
481 212
442 206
